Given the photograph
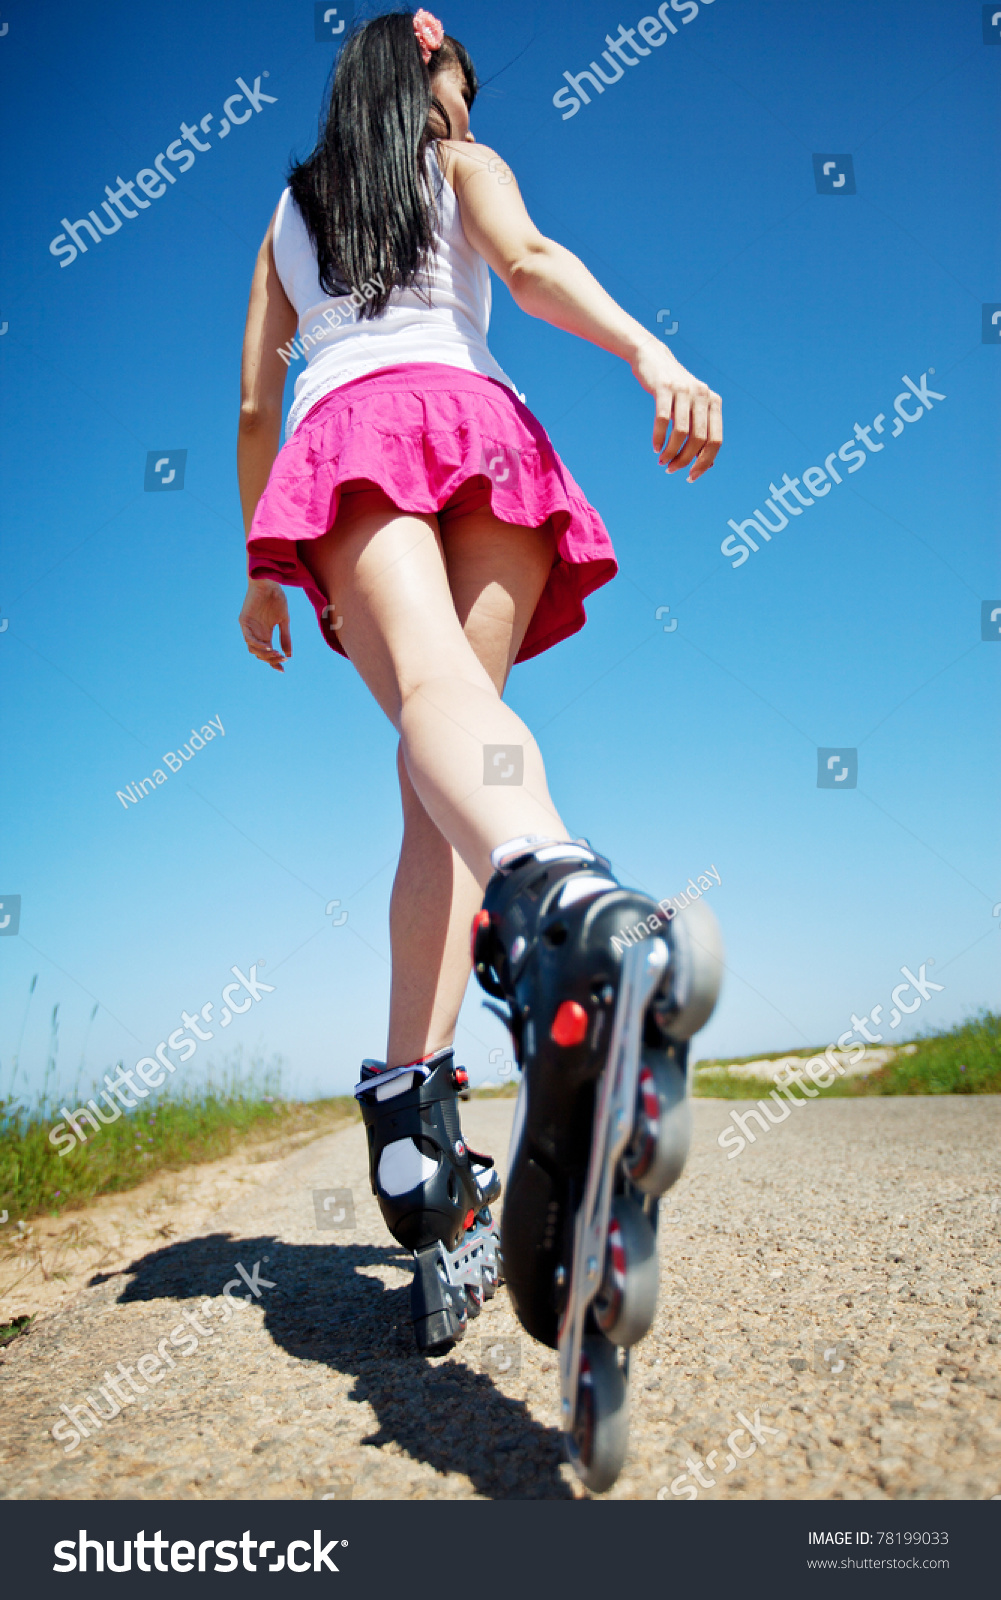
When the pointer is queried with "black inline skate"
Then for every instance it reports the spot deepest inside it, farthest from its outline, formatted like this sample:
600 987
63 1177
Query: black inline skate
603 989
434 1192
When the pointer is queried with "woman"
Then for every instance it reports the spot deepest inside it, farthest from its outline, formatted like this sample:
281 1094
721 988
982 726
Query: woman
426 514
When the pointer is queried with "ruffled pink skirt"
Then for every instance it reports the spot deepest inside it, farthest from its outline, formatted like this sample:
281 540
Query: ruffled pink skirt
441 440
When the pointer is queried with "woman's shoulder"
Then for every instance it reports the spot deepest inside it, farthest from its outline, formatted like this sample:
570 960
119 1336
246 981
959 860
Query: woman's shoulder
288 226
287 209
462 160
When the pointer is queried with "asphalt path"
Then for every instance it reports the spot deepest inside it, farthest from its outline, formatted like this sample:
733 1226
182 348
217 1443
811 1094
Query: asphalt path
829 1327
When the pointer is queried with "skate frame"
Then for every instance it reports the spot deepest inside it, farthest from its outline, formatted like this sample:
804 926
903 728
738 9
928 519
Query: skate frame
467 1266
642 968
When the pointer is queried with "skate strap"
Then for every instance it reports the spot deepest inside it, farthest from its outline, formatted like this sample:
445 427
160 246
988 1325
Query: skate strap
507 855
377 1079
378 1074
424 1092
522 846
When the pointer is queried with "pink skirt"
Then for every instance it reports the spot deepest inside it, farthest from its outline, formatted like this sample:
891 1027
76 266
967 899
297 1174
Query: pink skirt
435 439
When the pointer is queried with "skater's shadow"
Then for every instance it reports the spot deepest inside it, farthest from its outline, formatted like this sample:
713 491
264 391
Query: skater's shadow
328 1305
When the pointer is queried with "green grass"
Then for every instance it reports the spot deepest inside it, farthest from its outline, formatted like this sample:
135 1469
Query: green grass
177 1131
206 1123
12 1330
965 1059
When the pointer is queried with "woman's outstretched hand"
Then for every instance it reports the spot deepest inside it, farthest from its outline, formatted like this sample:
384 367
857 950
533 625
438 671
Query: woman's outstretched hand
264 609
689 407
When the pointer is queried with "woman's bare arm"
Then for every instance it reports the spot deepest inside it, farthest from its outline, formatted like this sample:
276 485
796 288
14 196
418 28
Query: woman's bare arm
550 282
271 323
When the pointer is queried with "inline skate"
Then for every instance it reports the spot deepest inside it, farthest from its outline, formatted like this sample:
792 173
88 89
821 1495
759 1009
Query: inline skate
602 990
434 1192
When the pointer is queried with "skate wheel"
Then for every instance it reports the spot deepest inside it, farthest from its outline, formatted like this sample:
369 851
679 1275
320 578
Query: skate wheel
625 1304
474 1299
493 1275
697 971
658 1148
600 1435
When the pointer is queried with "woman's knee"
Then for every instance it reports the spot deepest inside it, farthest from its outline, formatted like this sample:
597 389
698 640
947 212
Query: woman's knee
452 696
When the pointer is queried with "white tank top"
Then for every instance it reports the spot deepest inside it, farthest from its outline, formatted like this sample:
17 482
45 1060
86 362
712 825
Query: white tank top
338 347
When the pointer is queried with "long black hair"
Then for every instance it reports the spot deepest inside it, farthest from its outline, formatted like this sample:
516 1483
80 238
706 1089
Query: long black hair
364 193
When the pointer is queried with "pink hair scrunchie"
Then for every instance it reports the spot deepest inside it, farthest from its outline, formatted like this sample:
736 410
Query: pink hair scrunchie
429 33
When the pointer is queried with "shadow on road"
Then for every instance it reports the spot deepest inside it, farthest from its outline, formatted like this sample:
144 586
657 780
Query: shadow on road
326 1307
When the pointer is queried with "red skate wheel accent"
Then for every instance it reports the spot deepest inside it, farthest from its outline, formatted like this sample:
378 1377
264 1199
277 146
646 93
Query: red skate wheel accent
649 1095
481 920
460 1077
616 1251
569 1024
470 1219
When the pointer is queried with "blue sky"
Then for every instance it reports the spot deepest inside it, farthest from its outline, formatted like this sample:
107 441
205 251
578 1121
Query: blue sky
687 188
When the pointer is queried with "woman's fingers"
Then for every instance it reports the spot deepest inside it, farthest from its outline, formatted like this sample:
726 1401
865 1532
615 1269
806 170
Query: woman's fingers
271 658
700 419
264 609
259 644
707 455
697 431
680 417
698 434
662 422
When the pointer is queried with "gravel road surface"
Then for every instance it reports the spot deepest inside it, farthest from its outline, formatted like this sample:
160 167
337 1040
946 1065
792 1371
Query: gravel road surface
835 1286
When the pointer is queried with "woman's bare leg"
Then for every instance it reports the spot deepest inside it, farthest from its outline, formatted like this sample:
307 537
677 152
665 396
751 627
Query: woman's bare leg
496 574
430 911
386 571
433 630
